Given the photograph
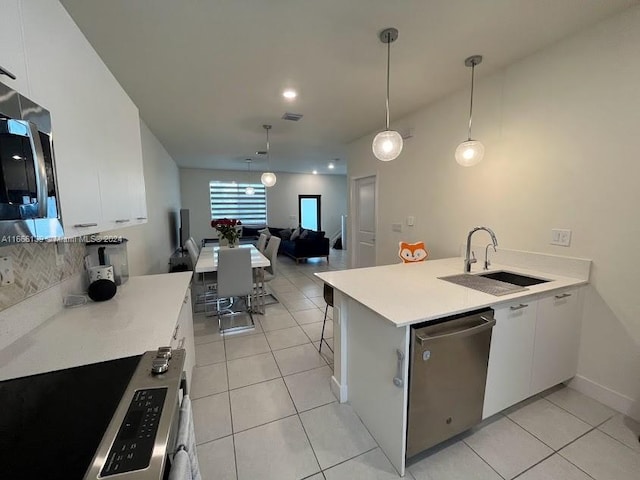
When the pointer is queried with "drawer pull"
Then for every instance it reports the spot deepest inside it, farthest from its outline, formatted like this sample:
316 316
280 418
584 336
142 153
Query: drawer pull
175 332
398 380
85 225
123 220
564 295
141 218
518 307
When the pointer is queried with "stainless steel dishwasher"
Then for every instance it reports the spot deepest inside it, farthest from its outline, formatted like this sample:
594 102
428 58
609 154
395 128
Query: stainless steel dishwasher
447 377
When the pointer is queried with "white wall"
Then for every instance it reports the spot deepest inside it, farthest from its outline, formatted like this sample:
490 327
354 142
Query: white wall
282 199
150 245
560 130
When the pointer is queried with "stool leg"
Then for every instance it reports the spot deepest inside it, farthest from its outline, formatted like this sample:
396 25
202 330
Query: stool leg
326 309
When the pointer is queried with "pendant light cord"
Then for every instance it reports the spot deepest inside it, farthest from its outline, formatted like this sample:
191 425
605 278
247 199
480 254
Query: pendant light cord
473 67
388 68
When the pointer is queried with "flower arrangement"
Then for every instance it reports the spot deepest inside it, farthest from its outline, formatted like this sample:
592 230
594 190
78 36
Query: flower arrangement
227 229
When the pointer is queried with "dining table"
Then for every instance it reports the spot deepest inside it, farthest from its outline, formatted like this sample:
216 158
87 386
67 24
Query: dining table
208 262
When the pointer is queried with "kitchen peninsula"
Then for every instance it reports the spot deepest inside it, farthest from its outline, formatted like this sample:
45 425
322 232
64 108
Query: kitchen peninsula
376 307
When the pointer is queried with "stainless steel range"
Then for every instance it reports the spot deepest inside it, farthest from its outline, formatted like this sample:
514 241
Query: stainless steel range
112 419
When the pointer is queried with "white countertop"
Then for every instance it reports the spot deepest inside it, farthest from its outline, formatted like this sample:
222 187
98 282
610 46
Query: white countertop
411 293
141 317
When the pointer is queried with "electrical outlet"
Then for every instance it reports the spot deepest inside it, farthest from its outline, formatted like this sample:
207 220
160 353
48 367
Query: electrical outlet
561 237
396 227
6 271
61 248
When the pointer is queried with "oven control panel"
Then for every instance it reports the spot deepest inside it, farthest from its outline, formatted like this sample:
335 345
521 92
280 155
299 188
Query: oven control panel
133 446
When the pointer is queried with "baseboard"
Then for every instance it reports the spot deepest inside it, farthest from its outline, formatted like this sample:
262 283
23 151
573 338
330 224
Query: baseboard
339 391
605 395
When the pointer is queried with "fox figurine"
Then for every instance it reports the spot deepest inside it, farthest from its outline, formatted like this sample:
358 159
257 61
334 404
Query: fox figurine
413 252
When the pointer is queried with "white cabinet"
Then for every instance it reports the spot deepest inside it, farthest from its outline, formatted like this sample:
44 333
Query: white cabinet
12 56
183 336
534 346
557 340
510 357
96 127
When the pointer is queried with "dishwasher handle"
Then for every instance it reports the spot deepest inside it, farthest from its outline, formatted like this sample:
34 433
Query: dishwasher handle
463 332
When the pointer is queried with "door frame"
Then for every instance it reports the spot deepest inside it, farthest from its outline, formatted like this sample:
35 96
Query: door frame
317 197
352 251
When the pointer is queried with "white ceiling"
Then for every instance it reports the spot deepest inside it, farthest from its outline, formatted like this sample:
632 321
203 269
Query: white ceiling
207 74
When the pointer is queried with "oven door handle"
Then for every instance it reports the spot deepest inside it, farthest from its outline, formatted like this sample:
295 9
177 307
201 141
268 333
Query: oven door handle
183 384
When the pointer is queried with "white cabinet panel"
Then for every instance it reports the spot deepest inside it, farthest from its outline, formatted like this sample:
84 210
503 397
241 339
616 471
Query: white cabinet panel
183 336
96 126
12 46
557 340
511 356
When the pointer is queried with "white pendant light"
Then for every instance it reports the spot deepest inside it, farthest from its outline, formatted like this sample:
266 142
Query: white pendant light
268 179
387 144
249 190
470 152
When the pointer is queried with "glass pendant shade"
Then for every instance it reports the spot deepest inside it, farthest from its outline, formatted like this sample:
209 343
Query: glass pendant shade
249 191
268 179
469 153
387 145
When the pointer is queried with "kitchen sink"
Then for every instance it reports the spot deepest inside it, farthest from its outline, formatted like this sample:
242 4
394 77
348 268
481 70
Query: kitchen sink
513 278
486 285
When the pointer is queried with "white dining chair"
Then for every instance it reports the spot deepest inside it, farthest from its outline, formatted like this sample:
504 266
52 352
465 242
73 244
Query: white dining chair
262 242
235 279
271 252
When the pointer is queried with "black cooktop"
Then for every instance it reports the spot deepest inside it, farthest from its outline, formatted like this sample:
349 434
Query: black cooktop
51 424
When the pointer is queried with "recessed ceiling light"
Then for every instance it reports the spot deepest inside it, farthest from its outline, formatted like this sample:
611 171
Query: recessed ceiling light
17 157
331 166
289 94
315 172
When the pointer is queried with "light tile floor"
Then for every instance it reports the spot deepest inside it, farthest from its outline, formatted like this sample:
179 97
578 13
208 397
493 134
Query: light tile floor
263 410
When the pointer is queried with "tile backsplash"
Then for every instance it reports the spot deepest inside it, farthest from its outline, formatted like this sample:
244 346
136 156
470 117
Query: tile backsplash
36 269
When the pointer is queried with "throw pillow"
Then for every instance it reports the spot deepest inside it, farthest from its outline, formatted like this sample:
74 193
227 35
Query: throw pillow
295 234
285 234
311 235
304 233
265 231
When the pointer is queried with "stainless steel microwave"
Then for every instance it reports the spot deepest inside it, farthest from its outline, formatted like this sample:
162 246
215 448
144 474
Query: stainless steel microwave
29 202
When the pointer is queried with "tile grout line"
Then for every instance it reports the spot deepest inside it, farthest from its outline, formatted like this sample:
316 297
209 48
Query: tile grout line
233 438
481 458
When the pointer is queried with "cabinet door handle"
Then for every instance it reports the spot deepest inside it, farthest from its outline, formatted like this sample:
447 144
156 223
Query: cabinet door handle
4 71
123 220
563 295
141 218
397 380
85 225
518 307
175 332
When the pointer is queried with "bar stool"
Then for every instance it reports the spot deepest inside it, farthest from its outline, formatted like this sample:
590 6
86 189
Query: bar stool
328 297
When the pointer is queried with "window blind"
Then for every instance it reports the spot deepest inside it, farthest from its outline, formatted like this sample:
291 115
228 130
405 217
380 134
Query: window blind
229 200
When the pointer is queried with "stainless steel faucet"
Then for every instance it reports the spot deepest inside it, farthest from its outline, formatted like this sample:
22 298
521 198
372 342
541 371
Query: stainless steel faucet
468 260
487 263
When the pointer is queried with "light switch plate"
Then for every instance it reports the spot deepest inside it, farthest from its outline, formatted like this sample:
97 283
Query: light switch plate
411 220
396 227
561 237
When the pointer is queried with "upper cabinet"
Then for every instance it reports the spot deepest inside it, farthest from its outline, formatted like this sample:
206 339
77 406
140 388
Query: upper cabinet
96 128
12 56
